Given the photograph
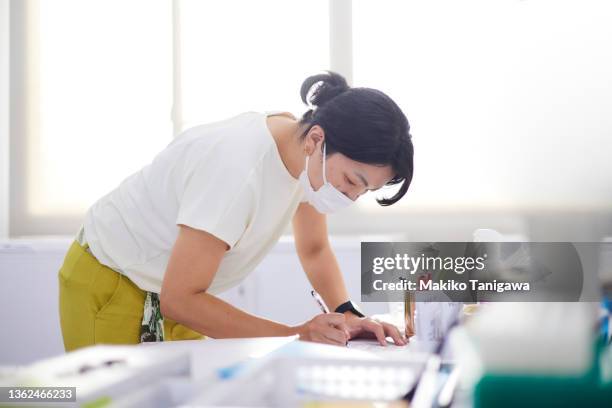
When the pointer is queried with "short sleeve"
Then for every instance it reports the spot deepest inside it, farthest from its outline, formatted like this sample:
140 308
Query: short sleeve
218 200
303 198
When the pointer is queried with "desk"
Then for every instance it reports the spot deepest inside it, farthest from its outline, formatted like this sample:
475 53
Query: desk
204 361
208 356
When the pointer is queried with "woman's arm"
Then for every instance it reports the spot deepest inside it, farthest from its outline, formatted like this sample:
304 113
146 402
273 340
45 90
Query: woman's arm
317 257
323 272
195 258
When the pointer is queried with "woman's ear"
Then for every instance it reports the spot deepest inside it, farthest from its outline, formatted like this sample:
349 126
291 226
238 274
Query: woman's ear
314 137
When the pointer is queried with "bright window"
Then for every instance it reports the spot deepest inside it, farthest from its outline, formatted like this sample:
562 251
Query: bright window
509 101
107 83
241 55
103 98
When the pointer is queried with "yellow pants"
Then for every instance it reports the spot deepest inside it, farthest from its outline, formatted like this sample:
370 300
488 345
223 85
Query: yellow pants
99 305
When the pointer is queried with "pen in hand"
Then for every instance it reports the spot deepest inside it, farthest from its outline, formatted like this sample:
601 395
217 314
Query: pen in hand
321 303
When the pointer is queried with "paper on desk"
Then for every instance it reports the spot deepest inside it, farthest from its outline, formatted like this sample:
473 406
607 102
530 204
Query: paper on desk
413 351
300 348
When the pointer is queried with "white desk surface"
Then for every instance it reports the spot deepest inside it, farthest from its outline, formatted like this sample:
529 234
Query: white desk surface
208 356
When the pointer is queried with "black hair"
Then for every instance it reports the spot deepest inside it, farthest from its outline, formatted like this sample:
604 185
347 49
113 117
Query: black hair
363 124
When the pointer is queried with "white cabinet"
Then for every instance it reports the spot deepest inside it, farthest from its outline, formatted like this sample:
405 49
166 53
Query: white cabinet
29 305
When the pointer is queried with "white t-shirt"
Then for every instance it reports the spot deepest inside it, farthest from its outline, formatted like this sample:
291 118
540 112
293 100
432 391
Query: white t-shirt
226 178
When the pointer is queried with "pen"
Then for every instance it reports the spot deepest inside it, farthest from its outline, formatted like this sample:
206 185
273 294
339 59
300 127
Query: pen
321 304
320 301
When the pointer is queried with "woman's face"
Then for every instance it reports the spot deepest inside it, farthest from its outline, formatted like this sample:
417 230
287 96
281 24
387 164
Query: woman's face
350 177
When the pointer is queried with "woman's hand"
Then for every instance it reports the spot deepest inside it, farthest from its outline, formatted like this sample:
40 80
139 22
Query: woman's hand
328 328
364 327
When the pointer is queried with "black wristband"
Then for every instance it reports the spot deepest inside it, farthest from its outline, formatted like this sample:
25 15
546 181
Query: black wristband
349 307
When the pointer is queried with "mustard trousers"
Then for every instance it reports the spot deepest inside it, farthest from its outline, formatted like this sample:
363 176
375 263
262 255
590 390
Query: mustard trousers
101 306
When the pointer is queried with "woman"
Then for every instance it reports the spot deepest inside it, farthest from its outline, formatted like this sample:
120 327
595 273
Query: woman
153 253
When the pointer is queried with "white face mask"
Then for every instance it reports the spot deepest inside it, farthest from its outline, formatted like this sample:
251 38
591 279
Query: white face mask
326 199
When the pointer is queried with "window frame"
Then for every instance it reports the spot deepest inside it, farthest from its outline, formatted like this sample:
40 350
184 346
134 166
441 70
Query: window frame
4 117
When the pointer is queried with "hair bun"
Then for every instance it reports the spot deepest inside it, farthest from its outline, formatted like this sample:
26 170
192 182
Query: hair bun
316 90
